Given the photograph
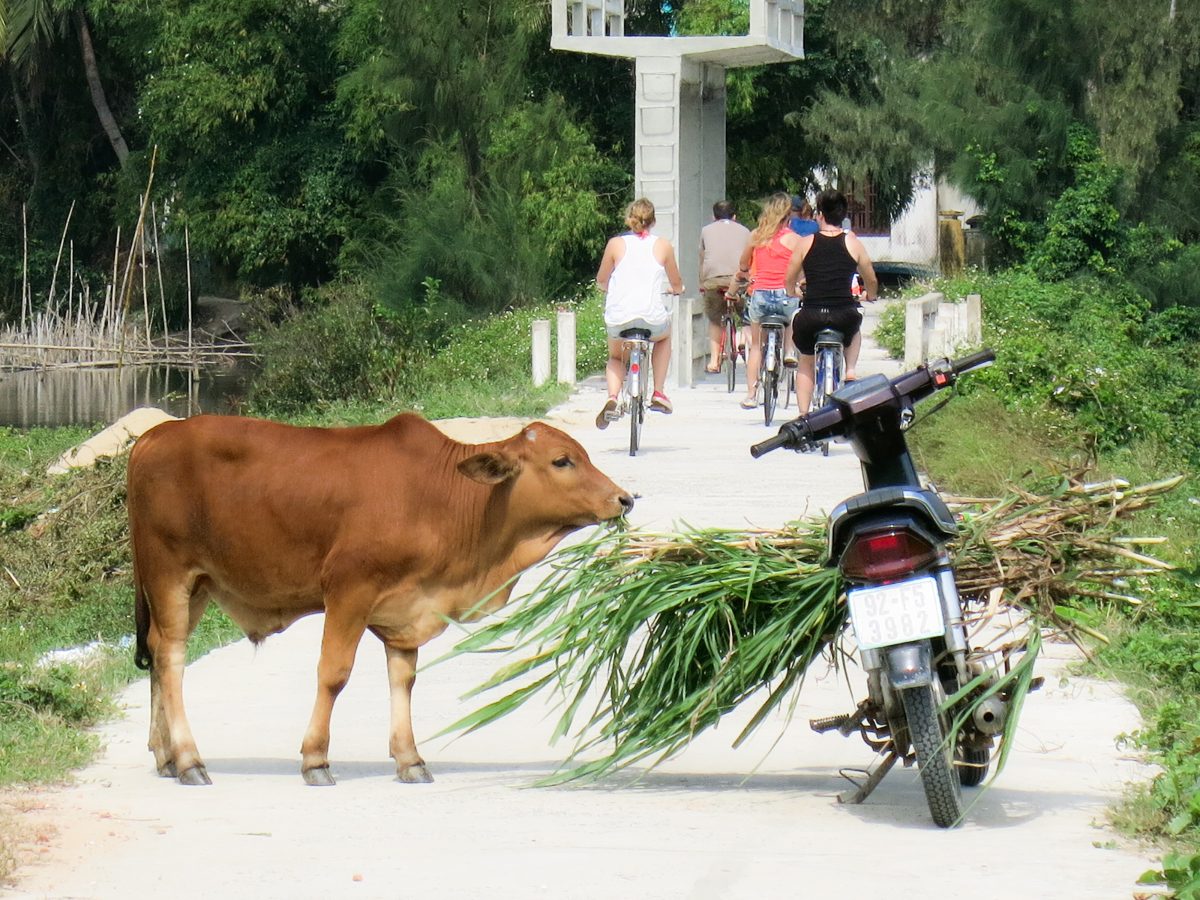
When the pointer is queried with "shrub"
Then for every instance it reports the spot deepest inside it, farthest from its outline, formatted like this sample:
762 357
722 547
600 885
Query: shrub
335 348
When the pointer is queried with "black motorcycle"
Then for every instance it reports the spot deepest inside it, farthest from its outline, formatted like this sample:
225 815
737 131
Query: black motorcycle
889 543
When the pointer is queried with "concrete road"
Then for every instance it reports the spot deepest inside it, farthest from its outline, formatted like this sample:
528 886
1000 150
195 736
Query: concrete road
759 822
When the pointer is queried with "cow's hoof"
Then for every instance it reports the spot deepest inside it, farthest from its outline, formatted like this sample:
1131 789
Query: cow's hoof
194 776
318 777
418 774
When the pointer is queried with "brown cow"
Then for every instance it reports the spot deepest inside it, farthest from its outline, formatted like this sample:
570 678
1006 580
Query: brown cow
389 528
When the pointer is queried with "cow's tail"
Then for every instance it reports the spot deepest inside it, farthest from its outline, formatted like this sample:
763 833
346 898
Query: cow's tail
141 617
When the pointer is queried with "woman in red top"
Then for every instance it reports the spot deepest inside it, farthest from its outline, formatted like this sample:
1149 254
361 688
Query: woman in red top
770 250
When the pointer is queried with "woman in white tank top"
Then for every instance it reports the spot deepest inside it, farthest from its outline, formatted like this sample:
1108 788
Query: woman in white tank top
637 268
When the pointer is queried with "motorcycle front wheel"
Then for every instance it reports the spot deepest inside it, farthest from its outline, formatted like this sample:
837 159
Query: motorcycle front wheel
935 756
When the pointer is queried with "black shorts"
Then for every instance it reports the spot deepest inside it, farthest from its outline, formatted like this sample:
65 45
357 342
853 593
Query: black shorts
845 317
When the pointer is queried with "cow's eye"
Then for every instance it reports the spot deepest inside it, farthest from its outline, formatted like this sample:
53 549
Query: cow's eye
563 462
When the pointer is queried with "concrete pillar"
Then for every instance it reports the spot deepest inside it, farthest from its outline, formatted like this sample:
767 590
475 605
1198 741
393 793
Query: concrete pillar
680 141
566 346
541 351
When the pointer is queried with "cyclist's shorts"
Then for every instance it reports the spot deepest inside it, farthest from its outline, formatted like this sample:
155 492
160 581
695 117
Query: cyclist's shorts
772 303
714 304
845 317
658 330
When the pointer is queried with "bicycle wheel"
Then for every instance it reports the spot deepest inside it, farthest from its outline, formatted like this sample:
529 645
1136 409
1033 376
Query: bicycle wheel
730 354
818 394
772 364
789 387
637 405
637 412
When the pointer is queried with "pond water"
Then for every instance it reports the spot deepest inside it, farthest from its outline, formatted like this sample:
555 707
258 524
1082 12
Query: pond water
101 396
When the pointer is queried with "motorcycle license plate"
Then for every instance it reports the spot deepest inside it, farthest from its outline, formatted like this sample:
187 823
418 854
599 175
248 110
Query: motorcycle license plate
896 613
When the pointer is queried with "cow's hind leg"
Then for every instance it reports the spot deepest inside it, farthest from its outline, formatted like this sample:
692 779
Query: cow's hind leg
344 627
402 674
160 737
175 610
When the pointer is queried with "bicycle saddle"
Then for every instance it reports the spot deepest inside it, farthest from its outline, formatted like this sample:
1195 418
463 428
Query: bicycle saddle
636 334
781 321
830 336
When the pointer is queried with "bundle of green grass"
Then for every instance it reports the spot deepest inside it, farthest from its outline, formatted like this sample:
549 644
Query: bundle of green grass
679 629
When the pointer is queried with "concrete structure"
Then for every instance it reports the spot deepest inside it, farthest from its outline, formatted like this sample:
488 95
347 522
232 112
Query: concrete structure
679 140
934 328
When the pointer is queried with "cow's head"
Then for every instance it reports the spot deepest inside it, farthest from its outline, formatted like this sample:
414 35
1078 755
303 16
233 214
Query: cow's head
552 481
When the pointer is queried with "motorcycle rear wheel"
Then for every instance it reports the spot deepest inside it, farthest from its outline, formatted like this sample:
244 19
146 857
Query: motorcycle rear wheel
935 758
974 763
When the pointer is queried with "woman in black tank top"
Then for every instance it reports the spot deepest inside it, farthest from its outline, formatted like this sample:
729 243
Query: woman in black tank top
824 265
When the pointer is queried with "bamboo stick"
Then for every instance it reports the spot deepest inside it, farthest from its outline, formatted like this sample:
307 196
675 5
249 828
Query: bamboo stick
187 247
24 265
58 259
162 294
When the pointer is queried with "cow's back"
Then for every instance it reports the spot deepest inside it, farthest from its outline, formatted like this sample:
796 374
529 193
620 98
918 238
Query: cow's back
259 506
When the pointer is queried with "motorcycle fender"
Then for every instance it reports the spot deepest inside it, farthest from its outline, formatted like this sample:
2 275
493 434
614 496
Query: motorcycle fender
909 665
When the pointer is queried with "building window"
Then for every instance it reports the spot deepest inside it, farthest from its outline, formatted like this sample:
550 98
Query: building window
865 216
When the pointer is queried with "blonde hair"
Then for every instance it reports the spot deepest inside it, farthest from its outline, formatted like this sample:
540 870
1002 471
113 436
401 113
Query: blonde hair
639 215
776 211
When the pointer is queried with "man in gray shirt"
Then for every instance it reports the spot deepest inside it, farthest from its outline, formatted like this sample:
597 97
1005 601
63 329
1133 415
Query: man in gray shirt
721 244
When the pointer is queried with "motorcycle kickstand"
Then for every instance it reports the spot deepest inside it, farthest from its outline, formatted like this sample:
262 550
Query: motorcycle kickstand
874 776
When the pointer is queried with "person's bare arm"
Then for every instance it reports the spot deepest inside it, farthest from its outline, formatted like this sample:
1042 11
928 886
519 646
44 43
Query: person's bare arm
746 260
795 270
865 269
672 268
607 263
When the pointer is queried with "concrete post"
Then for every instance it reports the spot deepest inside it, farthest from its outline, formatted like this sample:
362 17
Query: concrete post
566 346
541 351
974 319
914 333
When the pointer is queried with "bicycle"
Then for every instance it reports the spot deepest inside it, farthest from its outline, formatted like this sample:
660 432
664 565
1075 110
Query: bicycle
633 393
829 367
772 363
730 351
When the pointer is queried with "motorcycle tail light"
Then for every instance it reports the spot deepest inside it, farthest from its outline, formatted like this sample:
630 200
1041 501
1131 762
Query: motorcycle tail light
886 555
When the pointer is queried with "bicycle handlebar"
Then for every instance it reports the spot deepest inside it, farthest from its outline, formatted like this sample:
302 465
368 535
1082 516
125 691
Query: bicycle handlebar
836 420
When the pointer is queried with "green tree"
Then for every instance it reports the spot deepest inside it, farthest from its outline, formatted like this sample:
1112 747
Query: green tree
988 90
492 189
239 97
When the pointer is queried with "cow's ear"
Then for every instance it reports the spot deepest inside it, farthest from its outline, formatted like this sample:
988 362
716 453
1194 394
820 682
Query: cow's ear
490 468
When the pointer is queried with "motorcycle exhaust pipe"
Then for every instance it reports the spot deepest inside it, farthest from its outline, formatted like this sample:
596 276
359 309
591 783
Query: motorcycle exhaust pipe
990 714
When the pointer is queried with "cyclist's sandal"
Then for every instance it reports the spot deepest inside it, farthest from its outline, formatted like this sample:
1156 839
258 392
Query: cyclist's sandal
608 414
713 370
749 403
660 403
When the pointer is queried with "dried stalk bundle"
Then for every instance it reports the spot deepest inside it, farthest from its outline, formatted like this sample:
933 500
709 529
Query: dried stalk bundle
649 638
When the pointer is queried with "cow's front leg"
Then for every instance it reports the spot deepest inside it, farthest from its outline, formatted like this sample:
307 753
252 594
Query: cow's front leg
344 628
402 674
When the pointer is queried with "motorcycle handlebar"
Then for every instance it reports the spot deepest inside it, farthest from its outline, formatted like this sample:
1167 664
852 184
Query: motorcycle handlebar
975 361
796 434
830 421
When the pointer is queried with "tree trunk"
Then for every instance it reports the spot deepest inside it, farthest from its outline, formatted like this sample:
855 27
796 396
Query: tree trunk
99 100
31 149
